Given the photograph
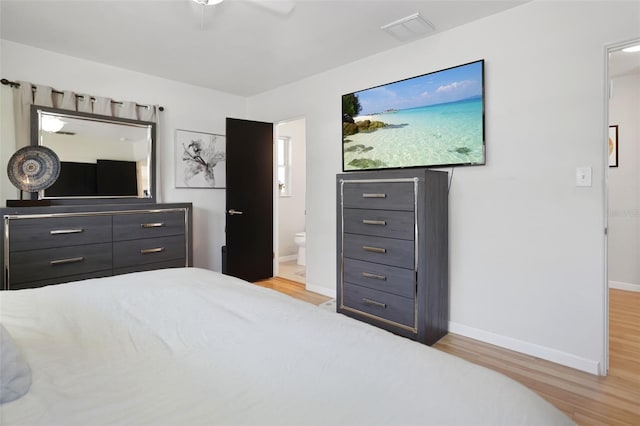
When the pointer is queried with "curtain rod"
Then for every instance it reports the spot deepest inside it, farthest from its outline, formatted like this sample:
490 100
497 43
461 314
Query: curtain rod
16 85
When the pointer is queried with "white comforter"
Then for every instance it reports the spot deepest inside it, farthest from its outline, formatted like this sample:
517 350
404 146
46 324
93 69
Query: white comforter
194 347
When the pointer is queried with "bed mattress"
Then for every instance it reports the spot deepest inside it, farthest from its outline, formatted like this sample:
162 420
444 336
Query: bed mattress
194 347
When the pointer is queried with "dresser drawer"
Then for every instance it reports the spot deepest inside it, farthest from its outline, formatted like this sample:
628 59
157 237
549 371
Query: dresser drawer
147 225
34 265
388 279
149 250
175 263
388 251
383 223
379 195
60 280
40 233
384 305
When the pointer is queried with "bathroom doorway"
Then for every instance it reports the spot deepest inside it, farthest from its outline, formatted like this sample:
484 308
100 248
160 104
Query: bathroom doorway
291 177
622 202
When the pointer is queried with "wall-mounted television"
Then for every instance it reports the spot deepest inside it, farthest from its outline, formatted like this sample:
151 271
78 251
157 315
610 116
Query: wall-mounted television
432 120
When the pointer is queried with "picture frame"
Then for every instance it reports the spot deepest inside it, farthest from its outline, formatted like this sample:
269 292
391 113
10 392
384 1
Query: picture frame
613 146
200 160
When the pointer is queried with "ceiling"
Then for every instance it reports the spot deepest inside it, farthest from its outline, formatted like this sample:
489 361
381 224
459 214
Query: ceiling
621 63
236 47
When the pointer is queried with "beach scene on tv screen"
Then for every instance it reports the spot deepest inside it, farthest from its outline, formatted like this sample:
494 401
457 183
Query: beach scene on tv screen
430 120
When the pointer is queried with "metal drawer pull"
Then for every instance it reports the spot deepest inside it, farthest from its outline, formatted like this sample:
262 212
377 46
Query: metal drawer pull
374 303
65 261
374 222
374 249
376 276
152 250
365 195
152 225
66 231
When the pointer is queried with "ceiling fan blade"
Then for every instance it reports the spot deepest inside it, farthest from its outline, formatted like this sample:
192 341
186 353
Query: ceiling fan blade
203 14
281 7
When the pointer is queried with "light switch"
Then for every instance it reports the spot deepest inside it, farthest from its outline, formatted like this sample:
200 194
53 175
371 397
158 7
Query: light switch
583 176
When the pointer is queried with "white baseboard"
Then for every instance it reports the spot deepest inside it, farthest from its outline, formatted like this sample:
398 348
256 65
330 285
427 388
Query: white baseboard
287 258
329 292
549 354
624 286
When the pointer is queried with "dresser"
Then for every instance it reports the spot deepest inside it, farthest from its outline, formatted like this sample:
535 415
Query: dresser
392 252
56 244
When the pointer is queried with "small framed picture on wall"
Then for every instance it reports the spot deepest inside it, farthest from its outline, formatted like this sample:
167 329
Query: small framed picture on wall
200 160
613 146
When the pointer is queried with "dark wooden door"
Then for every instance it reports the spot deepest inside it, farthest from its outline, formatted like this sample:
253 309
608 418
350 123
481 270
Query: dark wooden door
249 210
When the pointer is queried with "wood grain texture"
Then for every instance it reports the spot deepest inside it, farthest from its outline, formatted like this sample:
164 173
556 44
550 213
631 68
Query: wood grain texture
293 289
586 398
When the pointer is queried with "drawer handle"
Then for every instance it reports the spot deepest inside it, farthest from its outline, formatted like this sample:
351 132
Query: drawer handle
370 302
374 222
66 231
152 250
365 195
374 249
66 261
152 225
375 276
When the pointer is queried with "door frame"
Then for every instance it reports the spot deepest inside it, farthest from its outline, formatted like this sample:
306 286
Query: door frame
276 192
608 48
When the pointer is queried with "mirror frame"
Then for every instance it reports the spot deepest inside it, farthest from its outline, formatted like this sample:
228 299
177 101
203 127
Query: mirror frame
36 139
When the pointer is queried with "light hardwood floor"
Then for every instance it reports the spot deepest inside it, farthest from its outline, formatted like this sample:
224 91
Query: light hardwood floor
293 289
588 399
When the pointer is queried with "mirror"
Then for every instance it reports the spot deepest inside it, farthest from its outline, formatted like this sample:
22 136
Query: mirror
101 157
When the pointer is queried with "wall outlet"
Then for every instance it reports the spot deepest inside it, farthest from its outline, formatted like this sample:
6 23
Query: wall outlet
583 176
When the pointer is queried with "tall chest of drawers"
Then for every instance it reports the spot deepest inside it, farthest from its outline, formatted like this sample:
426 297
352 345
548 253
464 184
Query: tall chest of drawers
51 245
393 251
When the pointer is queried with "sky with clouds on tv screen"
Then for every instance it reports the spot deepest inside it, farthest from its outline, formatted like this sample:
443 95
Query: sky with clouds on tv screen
449 85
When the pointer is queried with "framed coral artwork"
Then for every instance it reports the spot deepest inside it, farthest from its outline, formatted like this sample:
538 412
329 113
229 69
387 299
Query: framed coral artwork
613 146
200 160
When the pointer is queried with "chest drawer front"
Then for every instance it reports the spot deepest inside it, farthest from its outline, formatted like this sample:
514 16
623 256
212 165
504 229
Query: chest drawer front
40 233
175 263
34 265
59 280
383 223
379 195
387 251
147 225
149 250
388 279
384 305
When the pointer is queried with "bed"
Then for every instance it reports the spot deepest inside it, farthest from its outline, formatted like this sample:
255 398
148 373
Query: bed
194 347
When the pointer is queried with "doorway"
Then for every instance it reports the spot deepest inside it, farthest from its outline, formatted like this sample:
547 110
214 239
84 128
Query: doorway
623 172
291 178
622 187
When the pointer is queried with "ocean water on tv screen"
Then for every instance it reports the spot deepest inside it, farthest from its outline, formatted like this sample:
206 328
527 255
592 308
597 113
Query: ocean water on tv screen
443 134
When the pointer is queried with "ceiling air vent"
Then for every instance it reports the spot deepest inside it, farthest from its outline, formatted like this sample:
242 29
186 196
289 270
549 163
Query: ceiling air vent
409 27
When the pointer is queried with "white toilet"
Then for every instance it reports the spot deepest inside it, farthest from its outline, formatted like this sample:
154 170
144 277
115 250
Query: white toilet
300 240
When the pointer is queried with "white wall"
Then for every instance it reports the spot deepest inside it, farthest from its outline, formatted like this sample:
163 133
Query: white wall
291 214
624 185
186 107
526 245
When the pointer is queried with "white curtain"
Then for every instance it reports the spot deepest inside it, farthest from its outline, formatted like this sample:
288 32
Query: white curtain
28 94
